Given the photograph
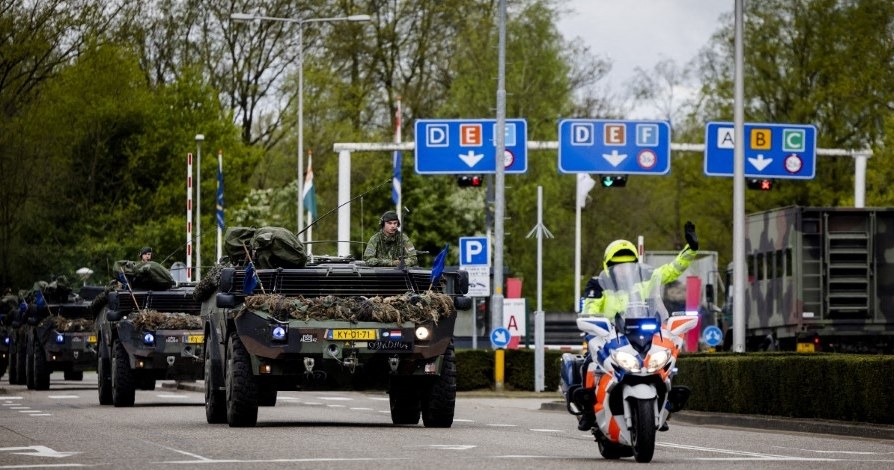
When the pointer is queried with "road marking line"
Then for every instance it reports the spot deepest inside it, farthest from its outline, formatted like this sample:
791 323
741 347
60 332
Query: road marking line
171 396
30 411
322 459
498 425
12 398
546 430
336 406
20 408
457 420
361 409
335 398
42 414
63 397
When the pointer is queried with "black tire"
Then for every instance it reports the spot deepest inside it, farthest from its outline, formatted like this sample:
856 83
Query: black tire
439 400
29 365
123 386
643 432
41 369
13 368
74 375
21 365
215 400
613 451
267 397
104 380
404 399
242 386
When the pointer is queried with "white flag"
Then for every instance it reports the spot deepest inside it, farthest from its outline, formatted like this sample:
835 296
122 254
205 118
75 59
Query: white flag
584 184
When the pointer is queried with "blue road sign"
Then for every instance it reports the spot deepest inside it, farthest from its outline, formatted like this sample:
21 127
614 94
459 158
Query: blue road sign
712 336
457 146
771 150
499 337
614 146
473 251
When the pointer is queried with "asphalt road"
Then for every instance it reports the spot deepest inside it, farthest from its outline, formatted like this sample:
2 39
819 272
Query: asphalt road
66 426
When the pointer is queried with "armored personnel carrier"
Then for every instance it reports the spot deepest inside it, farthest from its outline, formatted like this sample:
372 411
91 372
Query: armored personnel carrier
332 325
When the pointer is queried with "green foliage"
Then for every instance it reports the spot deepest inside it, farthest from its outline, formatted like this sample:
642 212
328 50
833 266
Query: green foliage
789 384
475 369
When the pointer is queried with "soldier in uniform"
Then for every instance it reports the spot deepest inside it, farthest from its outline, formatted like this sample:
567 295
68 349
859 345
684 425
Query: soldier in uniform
146 254
389 246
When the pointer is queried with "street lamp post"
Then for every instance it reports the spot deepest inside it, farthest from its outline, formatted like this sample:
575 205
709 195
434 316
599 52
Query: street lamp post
300 22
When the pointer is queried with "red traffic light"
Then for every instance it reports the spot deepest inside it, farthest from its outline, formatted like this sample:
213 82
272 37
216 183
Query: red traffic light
469 181
760 184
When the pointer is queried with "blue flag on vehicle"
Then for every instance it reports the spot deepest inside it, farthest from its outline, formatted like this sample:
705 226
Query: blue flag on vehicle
23 307
438 266
39 300
251 280
220 194
120 277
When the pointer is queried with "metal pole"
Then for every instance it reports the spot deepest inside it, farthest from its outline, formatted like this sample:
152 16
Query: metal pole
860 179
539 327
344 195
300 127
739 191
496 304
577 243
199 139
216 213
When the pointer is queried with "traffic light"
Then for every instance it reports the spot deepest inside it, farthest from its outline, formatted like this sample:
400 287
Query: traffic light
761 184
469 181
613 181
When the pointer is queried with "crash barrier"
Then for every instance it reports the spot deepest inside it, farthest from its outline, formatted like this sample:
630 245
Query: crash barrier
842 387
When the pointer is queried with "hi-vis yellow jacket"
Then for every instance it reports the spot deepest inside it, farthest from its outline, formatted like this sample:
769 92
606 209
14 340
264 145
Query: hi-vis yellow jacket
610 302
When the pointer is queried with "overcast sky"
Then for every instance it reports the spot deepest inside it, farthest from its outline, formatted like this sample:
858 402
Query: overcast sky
640 33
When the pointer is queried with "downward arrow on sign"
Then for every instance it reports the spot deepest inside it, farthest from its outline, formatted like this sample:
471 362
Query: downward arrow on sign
760 162
471 158
614 158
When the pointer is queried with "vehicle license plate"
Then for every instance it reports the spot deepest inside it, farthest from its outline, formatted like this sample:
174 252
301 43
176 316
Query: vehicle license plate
352 335
805 347
195 339
389 346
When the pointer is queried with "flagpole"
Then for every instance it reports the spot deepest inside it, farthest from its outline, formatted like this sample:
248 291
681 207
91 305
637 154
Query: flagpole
220 219
309 175
397 190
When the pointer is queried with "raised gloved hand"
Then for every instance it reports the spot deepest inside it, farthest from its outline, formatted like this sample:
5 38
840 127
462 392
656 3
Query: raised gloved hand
593 289
691 237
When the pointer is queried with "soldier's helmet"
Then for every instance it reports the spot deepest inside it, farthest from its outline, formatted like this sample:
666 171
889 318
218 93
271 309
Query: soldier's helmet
146 249
619 251
388 217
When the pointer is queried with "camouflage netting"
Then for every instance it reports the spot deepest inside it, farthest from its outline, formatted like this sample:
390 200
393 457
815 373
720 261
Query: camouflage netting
154 320
68 325
100 301
208 284
427 306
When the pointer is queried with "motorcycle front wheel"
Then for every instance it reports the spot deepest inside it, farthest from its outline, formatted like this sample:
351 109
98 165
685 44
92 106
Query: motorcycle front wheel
643 432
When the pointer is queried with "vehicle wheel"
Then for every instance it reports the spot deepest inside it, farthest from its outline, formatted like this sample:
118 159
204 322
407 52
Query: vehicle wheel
404 399
215 400
75 375
13 368
123 387
242 386
104 380
267 397
41 369
29 365
438 401
643 432
21 365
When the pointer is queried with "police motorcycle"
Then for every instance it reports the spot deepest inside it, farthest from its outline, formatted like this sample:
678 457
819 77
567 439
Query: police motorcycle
625 376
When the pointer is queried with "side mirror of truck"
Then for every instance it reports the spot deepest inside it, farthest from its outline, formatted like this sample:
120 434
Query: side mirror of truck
462 303
709 293
113 315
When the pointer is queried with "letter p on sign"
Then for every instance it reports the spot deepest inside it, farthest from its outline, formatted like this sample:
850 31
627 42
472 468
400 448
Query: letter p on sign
473 251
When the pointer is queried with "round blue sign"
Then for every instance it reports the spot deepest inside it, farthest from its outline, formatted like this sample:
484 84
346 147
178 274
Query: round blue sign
712 336
499 337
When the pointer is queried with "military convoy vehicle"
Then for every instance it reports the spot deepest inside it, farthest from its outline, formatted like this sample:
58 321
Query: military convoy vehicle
60 338
820 278
145 335
331 325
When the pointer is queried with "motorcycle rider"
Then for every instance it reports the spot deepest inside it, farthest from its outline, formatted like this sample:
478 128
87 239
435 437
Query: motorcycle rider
599 302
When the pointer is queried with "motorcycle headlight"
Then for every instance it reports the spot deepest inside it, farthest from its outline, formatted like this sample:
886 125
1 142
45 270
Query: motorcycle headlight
657 360
627 361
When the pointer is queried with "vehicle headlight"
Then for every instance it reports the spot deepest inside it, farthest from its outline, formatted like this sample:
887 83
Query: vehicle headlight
279 332
657 360
627 361
422 333
148 339
60 338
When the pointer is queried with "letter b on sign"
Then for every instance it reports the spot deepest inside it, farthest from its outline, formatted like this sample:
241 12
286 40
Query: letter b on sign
473 251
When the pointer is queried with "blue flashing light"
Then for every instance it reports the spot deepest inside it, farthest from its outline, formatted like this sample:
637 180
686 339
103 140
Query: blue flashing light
148 338
648 327
7 340
60 338
278 333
